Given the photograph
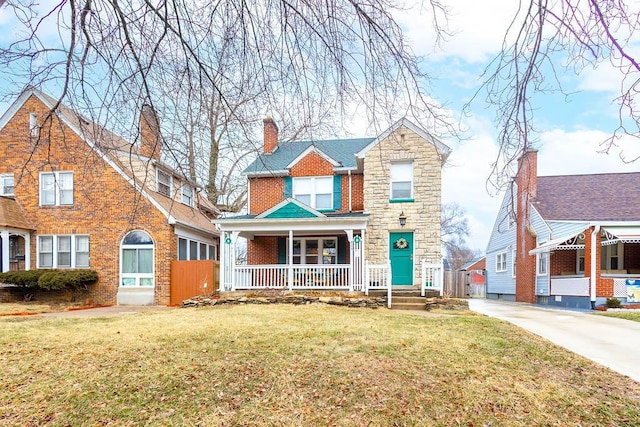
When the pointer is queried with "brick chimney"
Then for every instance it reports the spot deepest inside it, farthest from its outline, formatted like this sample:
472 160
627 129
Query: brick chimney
150 141
526 240
270 135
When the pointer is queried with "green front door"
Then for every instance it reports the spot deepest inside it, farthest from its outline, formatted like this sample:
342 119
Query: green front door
401 256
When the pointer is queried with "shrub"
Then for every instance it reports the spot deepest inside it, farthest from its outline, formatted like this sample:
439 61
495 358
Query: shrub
24 279
613 302
32 281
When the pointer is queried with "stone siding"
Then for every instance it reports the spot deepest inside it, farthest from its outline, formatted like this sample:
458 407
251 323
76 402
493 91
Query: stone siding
423 213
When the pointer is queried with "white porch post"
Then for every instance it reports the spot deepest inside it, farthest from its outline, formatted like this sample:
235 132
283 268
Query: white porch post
351 269
290 267
232 258
27 251
5 250
363 263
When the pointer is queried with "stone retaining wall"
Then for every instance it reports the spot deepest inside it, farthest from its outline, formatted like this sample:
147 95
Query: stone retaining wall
296 299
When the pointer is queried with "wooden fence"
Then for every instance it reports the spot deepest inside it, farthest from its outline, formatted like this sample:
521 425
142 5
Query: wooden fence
192 278
456 284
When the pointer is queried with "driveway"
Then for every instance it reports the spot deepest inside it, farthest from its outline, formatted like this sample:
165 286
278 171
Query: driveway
611 342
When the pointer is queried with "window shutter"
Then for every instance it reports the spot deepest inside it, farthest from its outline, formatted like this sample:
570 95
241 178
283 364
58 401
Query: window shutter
288 186
282 250
337 192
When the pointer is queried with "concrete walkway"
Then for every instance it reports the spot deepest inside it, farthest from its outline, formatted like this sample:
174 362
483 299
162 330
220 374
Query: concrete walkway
611 342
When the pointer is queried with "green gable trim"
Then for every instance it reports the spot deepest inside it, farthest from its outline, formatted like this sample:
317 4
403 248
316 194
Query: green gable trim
291 210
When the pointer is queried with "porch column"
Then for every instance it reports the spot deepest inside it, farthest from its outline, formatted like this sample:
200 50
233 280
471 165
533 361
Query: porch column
232 258
352 270
5 250
223 262
290 267
27 251
363 264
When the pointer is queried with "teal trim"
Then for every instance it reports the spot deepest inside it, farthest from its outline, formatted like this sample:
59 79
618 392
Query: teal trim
401 257
291 210
401 200
288 187
337 192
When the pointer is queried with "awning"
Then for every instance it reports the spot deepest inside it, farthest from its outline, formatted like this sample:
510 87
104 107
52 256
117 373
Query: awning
566 242
624 234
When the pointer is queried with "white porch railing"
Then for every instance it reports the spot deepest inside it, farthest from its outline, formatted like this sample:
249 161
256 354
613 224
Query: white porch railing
432 277
378 276
276 276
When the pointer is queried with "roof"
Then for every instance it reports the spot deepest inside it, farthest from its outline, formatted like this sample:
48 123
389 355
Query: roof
468 265
123 157
341 150
596 197
12 215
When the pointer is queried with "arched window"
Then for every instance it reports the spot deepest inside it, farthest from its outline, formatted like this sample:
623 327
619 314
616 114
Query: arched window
136 261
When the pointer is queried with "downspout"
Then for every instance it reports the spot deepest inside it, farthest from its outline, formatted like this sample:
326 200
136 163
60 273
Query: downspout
592 288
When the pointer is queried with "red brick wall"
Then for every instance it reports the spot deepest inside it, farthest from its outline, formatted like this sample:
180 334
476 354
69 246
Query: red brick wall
105 206
563 262
312 165
357 192
262 250
266 192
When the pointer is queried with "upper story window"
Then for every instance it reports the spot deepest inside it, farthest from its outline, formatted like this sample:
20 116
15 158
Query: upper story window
6 185
187 195
501 262
402 181
33 124
164 183
56 188
316 192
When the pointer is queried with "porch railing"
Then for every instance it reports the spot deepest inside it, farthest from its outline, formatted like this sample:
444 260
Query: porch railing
431 277
276 276
378 276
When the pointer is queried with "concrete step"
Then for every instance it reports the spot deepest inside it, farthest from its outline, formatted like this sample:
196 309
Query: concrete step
407 300
407 306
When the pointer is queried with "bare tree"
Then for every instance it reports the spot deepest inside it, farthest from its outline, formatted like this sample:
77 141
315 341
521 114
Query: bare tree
544 37
239 61
454 227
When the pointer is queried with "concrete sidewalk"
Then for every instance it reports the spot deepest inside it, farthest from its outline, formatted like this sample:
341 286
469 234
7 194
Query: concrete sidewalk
611 342
114 310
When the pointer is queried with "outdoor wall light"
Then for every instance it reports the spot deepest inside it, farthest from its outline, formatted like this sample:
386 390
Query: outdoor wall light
403 219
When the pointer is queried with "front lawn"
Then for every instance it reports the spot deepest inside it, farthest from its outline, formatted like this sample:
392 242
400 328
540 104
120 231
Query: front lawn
629 314
299 365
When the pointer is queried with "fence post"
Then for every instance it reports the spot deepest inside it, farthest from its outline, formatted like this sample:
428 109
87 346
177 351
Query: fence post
423 279
441 274
366 278
389 285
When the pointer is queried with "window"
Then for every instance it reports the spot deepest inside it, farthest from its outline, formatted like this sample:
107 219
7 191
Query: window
213 252
193 250
164 183
137 260
315 251
6 185
513 263
501 262
611 257
187 195
56 188
316 192
580 261
542 262
33 124
402 181
63 251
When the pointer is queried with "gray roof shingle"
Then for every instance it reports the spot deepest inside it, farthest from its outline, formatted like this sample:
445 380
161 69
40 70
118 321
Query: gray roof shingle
597 197
342 151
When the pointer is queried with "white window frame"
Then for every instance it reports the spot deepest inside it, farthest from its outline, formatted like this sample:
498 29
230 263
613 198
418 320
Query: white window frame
542 263
501 262
313 183
607 255
513 263
55 246
3 180
320 256
33 125
138 276
169 184
57 188
580 254
187 194
394 178
200 254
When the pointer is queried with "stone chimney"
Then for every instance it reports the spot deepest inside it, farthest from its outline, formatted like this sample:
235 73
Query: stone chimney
150 141
270 135
526 239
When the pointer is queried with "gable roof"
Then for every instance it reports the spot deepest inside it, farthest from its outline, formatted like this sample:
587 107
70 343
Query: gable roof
291 208
595 197
12 215
114 149
342 151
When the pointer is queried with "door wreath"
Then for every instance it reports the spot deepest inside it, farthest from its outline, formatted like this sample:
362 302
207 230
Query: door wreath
401 243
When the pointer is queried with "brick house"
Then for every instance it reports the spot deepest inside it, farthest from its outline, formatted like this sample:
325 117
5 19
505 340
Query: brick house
567 241
320 212
75 195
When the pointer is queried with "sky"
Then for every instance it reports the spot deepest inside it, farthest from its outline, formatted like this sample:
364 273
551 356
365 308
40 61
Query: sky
570 130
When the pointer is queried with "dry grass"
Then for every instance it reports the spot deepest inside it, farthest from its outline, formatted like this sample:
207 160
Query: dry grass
629 314
7 309
299 365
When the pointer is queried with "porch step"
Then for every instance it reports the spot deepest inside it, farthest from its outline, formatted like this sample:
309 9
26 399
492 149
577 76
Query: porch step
408 298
